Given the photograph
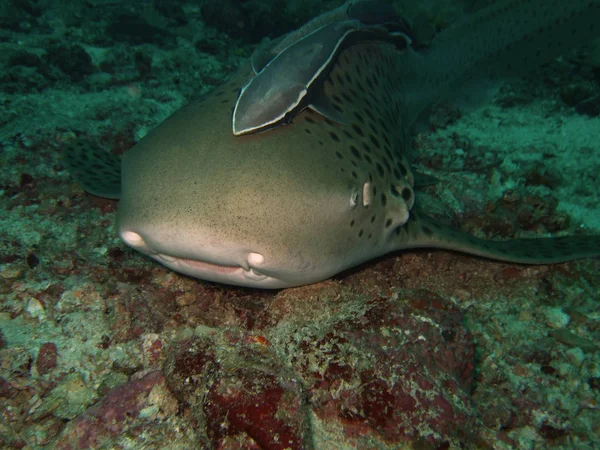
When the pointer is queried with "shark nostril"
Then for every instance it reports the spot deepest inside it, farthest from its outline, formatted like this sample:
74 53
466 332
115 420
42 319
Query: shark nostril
133 239
255 259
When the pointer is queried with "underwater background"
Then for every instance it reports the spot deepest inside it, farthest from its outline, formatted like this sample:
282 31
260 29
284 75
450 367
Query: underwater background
102 348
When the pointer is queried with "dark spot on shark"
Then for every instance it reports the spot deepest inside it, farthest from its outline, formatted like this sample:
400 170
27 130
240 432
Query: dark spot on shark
390 155
355 152
387 141
387 164
358 130
375 142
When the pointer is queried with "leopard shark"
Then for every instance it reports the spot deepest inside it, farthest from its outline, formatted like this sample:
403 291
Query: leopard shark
308 199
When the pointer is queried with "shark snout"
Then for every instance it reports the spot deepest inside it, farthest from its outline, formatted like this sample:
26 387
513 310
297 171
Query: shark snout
221 256
219 264
134 240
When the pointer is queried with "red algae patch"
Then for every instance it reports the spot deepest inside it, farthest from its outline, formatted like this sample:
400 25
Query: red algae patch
395 370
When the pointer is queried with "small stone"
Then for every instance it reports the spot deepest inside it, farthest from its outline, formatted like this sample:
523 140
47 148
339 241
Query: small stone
186 299
153 349
526 315
11 271
564 370
75 394
184 333
47 357
36 309
556 317
576 356
594 369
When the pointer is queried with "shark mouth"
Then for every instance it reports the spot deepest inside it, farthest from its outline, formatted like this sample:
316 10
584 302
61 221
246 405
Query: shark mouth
193 265
244 273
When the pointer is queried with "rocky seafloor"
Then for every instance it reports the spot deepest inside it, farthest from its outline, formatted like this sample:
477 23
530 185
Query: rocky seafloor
102 348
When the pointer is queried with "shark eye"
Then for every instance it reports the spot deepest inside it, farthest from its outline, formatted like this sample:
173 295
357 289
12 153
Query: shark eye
403 191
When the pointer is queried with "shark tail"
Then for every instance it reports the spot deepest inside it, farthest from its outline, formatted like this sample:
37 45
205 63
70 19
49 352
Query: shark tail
97 171
511 37
422 231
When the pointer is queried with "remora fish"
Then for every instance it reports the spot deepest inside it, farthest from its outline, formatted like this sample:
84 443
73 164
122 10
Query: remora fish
289 75
303 202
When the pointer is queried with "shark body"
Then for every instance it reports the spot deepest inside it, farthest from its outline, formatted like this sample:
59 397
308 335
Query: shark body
302 202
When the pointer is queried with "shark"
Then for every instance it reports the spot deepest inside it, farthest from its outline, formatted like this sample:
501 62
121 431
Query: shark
308 199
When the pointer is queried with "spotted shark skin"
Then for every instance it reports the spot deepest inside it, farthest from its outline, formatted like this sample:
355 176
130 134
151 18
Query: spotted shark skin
303 202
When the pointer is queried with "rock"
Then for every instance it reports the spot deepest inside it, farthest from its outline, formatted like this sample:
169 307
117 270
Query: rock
389 371
46 359
245 395
124 406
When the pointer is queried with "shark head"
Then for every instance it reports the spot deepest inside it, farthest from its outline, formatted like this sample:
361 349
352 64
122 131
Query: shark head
287 207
